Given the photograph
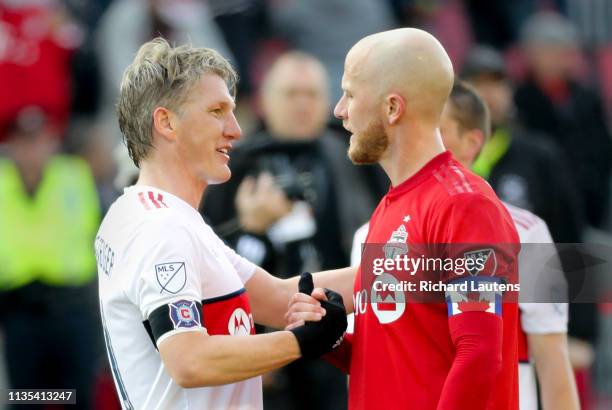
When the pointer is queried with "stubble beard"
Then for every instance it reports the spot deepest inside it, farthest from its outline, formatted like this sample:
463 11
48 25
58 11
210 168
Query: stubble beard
369 146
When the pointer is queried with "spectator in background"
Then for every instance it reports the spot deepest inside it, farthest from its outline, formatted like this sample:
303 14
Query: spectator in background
543 349
37 40
497 23
551 101
328 28
292 213
93 141
49 213
524 168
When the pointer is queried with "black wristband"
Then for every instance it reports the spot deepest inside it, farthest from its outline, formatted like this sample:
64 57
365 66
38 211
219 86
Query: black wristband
317 338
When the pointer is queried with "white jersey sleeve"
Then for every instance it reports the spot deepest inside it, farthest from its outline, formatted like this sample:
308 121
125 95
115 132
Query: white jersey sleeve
358 240
244 267
537 318
167 274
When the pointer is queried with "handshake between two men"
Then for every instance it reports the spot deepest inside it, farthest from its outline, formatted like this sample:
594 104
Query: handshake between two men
317 318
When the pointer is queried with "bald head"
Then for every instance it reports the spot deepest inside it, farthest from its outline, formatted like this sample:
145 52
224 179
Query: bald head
409 62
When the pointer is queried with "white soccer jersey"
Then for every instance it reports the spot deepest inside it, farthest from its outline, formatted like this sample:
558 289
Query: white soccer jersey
536 318
155 252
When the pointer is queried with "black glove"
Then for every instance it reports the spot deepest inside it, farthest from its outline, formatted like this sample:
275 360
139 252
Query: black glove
317 338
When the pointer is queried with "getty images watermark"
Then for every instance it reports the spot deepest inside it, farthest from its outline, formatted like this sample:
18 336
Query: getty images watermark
471 263
399 272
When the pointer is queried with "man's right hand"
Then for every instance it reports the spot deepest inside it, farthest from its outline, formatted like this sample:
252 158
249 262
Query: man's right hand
318 322
260 203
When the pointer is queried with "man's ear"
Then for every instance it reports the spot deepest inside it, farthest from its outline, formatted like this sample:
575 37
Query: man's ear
475 140
164 123
395 107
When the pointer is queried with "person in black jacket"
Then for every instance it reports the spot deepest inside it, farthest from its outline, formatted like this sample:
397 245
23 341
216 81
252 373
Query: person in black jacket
551 101
529 170
293 203
525 168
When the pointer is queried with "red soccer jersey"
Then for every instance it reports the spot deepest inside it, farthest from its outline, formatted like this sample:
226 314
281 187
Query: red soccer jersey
418 355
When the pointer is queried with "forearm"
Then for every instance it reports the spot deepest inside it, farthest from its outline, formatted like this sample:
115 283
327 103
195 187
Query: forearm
341 281
270 296
478 359
554 371
216 360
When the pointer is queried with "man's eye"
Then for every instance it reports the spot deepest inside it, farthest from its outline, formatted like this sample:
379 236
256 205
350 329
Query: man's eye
217 111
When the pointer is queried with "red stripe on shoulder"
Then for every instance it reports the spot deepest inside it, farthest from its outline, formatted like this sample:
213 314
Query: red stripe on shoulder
153 200
160 199
452 178
143 201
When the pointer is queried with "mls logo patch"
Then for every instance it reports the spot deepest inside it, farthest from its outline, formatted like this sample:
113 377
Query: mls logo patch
485 262
184 314
171 276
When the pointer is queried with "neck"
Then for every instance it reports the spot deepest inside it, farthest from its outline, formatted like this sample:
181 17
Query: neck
410 148
173 179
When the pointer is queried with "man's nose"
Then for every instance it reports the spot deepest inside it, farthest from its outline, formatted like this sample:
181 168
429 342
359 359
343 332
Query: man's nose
340 109
232 128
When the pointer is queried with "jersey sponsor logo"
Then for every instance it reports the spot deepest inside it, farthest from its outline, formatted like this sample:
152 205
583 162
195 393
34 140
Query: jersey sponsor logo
239 323
488 267
171 276
387 305
184 314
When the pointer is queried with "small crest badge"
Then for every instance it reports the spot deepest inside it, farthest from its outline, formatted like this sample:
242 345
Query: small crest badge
184 314
396 245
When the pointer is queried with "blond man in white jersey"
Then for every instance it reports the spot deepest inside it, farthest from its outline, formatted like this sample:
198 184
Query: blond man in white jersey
178 306
464 128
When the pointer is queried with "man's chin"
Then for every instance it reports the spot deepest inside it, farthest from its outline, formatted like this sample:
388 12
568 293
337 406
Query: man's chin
219 179
359 157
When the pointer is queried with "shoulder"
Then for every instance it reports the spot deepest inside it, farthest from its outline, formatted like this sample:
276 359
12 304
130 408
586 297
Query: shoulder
523 217
475 202
530 227
456 185
147 216
476 217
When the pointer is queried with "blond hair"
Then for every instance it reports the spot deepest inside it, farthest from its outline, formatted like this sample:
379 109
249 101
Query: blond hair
161 75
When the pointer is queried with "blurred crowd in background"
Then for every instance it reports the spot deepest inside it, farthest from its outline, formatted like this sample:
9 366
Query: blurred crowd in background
544 67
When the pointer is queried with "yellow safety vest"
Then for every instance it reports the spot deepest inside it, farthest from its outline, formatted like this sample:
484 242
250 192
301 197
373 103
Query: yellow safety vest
49 236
